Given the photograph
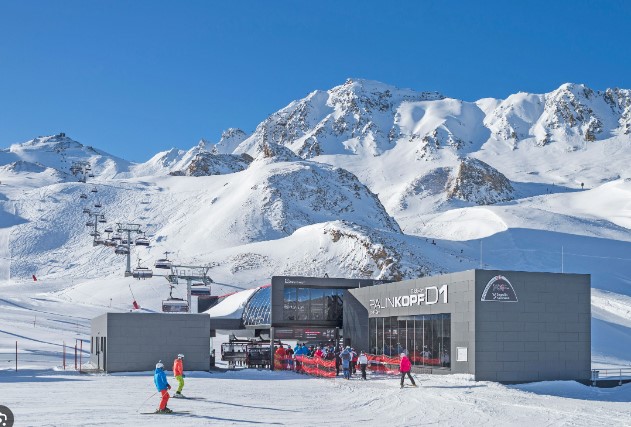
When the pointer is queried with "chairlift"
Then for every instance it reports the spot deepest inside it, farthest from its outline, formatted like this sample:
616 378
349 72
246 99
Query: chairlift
141 272
163 263
142 241
98 204
90 175
102 219
200 291
95 233
89 224
121 250
109 242
94 190
83 196
124 241
109 230
174 305
116 236
86 211
98 241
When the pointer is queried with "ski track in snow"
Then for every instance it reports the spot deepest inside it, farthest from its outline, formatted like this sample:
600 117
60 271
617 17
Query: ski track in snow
280 398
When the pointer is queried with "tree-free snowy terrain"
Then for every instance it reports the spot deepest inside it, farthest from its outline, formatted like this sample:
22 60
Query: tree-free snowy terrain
363 180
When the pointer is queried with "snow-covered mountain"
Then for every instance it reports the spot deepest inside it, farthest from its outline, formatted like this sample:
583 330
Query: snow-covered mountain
362 180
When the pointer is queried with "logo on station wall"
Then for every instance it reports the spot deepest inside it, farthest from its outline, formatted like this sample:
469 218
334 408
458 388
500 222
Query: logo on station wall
499 289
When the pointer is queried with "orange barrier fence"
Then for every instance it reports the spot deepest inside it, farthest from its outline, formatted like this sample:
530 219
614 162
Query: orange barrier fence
315 366
319 367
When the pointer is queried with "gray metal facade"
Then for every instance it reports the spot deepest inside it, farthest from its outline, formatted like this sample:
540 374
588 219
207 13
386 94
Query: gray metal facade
537 328
132 342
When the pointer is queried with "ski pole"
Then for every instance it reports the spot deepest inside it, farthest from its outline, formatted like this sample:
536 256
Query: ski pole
146 400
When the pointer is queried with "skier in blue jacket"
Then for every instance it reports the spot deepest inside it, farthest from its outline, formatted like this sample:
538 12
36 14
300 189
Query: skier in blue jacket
160 380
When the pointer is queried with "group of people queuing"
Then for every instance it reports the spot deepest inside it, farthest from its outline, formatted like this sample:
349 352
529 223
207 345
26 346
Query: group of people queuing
163 386
346 359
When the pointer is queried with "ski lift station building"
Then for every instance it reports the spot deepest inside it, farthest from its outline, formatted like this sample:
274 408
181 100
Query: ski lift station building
505 326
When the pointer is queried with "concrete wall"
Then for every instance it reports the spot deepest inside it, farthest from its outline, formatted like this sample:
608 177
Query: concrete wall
135 341
545 335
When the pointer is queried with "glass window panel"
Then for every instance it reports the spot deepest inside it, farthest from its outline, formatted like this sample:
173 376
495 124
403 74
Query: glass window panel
302 312
380 339
289 304
316 310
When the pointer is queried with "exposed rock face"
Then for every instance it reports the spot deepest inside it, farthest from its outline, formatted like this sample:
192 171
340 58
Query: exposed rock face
356 115
230 139
370 254
620 102
205 164
477 182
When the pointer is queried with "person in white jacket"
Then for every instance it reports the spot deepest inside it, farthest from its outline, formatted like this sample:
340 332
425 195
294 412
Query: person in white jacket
363 363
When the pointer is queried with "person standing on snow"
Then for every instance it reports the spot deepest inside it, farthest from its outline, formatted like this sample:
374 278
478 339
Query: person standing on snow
353 361
160 380
405 366
363 363
178 374
346 357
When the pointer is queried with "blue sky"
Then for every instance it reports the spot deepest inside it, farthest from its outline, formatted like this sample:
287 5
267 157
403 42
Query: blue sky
137 77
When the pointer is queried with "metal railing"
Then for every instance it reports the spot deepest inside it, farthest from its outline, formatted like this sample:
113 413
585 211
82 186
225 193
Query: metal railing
620 374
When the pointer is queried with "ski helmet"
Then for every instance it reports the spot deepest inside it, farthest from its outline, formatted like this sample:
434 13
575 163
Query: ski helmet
402 354
159 365
180 356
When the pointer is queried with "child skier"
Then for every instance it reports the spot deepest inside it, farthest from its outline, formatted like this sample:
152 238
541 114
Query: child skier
178 374
160 380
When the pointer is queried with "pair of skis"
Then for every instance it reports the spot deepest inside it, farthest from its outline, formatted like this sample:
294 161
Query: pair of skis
173 412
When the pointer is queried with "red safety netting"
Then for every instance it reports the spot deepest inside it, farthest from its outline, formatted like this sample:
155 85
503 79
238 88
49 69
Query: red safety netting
315 366
319 367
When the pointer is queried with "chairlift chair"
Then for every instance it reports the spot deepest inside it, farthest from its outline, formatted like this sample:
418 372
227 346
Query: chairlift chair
109 230
83 196
141 272
98 241
98 204
86 210
174 305
142 241
116 236
109 242
163 263
102 219
124 241
89 224
94 190
121 250
200 291
90 175
95 233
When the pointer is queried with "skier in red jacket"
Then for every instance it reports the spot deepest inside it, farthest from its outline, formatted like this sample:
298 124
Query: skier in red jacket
405 367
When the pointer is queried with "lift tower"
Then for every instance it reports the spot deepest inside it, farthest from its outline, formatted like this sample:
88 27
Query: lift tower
189 273
128 228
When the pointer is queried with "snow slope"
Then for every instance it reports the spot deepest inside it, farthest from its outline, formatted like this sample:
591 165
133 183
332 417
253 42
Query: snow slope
363 180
